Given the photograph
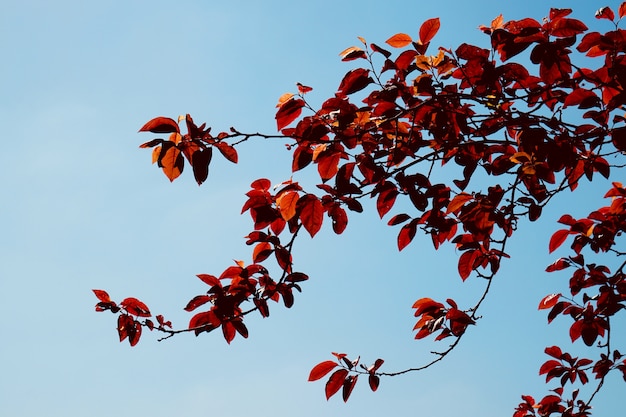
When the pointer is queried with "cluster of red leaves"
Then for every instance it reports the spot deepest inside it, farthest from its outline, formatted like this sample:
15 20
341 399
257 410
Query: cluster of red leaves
472 108
130 310
196 146
341 378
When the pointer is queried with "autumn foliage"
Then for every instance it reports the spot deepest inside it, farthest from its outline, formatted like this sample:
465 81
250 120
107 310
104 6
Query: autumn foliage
515 134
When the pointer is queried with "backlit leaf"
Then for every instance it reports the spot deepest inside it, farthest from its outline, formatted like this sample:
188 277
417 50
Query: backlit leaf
172 163
399 40
321 369
311 214
197 301
135 307
161 125
228 151
288 112
429 29
549 301
557 239
335 382
102 295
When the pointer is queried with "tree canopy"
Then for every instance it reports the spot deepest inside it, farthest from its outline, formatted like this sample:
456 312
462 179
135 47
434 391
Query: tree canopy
513 124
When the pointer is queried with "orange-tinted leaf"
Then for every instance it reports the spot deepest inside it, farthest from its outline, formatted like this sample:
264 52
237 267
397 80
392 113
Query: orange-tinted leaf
135 307
102 295
321 369
161 125
557 239
457 202
261 252
622 10
151 143
548 301
429 29
172 163
284 98
228 151
399 40
335 382
312 214
287 204
288 112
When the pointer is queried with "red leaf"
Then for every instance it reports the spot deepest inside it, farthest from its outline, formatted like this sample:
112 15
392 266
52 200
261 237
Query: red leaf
406 235
348 386
210 280
605 13
135 307
354 81
558 265
201 160
161 125
228 151
303 89
172 162
335 382
340 219
466 263
386 199
288 112
549 301
321 369
622 13
261 252
204 320
311 214
429 29
374 381
557 239
197 301
228 330
102 295
399 40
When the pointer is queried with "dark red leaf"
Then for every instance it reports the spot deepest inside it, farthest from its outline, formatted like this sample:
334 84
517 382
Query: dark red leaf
197 301
335 382
354 81
374 382
348 386
288 112
161 125
558 265
321 369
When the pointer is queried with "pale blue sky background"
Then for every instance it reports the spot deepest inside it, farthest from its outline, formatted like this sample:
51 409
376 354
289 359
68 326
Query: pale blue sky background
83 208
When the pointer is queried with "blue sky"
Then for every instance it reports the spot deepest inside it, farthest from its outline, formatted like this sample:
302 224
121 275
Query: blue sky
83 208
